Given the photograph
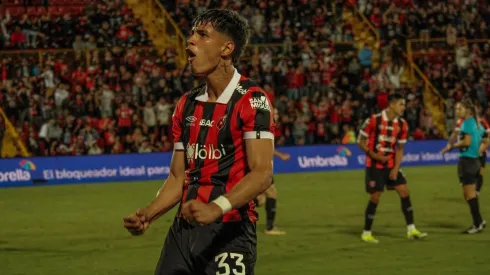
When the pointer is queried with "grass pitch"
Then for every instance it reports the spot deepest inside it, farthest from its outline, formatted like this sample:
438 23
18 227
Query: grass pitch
78 229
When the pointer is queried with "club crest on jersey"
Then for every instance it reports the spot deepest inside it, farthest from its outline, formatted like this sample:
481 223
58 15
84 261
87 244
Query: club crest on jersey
260 103
241 90
206 122
221 123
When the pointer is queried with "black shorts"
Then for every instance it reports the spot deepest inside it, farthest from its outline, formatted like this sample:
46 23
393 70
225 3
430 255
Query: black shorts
468 170
218 248
483 160
378 179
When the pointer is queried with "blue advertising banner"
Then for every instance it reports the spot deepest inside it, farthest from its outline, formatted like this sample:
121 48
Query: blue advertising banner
83 169
155 166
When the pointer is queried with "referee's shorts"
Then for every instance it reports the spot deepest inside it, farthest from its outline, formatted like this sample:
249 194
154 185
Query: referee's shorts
468 170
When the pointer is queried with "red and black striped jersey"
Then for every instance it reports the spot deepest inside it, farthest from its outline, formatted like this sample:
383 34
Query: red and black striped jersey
213 135
458 124
382 137
486 126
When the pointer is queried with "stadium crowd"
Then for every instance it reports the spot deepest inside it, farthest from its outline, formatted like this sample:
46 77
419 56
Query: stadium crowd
119 99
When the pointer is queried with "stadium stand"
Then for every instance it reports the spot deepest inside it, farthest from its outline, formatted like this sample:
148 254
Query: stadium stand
324 64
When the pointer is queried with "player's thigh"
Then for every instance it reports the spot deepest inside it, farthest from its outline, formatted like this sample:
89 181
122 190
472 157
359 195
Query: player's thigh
468 170
399 184
234 251
375 180
173 259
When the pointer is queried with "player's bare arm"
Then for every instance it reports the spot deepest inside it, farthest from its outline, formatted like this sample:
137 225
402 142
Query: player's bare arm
451 140
465 142
167 197
362 142
398 160
259 155
282 156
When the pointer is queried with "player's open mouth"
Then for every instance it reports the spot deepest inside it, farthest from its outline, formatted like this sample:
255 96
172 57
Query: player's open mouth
190 55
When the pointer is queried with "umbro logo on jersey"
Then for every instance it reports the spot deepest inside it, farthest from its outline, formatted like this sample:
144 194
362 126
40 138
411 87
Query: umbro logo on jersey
206 122
190 120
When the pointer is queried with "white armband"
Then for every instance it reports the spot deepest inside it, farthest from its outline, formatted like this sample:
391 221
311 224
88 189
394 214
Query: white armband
223 203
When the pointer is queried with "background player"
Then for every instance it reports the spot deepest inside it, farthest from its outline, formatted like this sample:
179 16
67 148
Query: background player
470 138
483 147
222 158
382 137
269 197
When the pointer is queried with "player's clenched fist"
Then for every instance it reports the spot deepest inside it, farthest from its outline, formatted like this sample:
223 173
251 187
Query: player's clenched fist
137 223
201 213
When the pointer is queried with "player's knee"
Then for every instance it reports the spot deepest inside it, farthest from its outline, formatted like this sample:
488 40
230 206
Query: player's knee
271 192
402 191
469 192
374 197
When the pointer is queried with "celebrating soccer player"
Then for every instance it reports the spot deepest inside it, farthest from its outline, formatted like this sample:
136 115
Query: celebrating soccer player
224 145
269 197
382 137
469 141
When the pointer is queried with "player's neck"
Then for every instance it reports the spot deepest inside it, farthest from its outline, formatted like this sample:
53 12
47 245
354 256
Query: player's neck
217 81
390 114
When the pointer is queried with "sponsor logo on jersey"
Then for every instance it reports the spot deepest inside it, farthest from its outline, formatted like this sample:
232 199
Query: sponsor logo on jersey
204 151
206 122
260 103
241 90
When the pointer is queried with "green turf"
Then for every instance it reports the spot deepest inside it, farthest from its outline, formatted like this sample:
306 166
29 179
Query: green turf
77 229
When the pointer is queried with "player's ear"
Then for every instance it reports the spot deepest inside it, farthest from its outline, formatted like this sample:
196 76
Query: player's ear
227 48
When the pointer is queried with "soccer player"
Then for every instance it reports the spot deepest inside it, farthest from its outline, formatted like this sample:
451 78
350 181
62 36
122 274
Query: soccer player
469 141
269 197
224 146
382 137
483 147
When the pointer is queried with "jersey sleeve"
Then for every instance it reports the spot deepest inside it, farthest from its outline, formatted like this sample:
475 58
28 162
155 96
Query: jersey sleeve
402 138
177 124
367 128
256 116
486 128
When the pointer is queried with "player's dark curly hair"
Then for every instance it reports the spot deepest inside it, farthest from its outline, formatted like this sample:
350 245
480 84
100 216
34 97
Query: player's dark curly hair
229 23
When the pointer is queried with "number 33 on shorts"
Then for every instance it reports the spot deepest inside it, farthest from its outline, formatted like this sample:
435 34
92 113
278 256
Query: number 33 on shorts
230 263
